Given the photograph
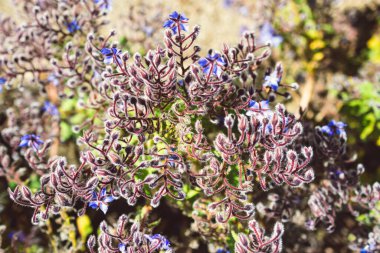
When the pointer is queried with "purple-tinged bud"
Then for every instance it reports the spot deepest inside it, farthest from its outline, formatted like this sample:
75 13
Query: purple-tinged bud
298 128
360 169
137 58
243 239
229 121
125 56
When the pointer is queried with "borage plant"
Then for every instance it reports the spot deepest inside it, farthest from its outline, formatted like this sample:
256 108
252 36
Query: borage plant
202 130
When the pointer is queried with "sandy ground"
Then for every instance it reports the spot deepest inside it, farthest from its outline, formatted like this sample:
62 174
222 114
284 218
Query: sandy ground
217 23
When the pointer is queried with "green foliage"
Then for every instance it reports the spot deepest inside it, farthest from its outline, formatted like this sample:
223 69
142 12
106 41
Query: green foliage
362 111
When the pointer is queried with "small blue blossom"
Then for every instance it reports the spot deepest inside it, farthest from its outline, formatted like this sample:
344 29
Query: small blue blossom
262 105
104 4
212 63
73 26
171 159
334 127
17 236
148 30
101 200
222 251
272 81
228 3
268 34
53 79
121 247
111 55
2 82
164 243
261 110
50 108
176 20
31 140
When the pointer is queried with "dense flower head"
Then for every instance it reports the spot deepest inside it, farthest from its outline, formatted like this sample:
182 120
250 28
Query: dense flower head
73 26
101 200
176 22
50 108
111 55
334 128
213 169
212 63
31 140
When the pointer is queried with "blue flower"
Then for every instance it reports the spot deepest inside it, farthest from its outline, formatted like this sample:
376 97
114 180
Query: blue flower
73 26
2 82
164 243
176 20
104 4
148 30
121 247
31 140
334 128
101 200
111 55
272 81
50 108
227 3
53 79
212 63
263 105
222 251
171 160
17 236
268 34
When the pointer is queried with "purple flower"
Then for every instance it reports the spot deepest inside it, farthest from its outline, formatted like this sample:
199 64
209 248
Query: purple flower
2 82
268 34
73 26
164 243
176 20
111 55
101 200
334 127
50 108
212 63
31 140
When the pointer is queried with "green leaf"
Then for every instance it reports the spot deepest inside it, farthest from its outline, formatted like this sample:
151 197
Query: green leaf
192 193
84 226
66 131
369 122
